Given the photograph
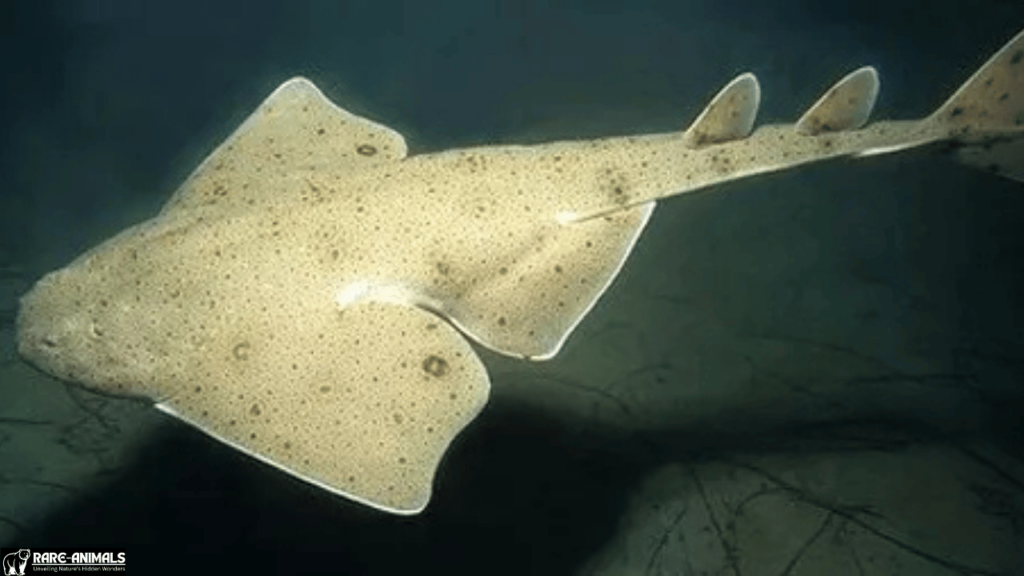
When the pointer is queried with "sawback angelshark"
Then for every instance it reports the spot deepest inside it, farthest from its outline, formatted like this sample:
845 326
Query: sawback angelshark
309 293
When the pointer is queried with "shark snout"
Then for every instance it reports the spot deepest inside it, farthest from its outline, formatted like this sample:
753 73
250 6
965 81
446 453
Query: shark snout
45 326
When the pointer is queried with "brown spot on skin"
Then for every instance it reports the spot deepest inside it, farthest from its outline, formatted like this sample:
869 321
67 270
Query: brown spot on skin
241 351
325 389
956 112
443 268
501 321
435 366
255 410
366 150
1017 57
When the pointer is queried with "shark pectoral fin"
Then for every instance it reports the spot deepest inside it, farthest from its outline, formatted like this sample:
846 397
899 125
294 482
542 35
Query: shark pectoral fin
295 134
363 403
845 106
729 116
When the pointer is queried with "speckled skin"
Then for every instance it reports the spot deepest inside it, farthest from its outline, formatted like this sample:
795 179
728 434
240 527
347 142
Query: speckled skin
306 294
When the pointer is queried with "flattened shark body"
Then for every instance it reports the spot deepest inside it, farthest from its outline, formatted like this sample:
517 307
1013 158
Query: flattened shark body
308 294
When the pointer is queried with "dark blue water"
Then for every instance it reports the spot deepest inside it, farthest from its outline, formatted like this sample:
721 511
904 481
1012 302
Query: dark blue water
107 106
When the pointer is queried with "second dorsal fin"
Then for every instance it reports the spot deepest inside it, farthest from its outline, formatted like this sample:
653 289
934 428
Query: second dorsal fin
729 116
845 106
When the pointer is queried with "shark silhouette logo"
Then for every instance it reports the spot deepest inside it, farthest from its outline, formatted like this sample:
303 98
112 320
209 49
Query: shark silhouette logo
16 562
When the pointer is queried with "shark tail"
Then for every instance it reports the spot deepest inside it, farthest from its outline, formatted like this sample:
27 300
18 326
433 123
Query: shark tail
985 117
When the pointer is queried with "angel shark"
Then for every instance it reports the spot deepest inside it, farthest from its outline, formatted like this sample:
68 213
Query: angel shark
309 293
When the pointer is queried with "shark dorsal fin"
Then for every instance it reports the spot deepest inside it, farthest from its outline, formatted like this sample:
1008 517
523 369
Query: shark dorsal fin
845 106
729 116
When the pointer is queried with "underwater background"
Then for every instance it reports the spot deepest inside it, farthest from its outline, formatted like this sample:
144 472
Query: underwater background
815 372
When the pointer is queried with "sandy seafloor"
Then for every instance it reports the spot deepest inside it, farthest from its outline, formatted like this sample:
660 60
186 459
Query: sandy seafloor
817 372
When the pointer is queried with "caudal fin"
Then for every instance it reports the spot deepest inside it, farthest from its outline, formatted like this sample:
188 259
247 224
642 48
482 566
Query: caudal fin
985 117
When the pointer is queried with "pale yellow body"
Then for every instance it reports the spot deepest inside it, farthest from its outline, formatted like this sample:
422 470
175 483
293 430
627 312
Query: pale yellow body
307 294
